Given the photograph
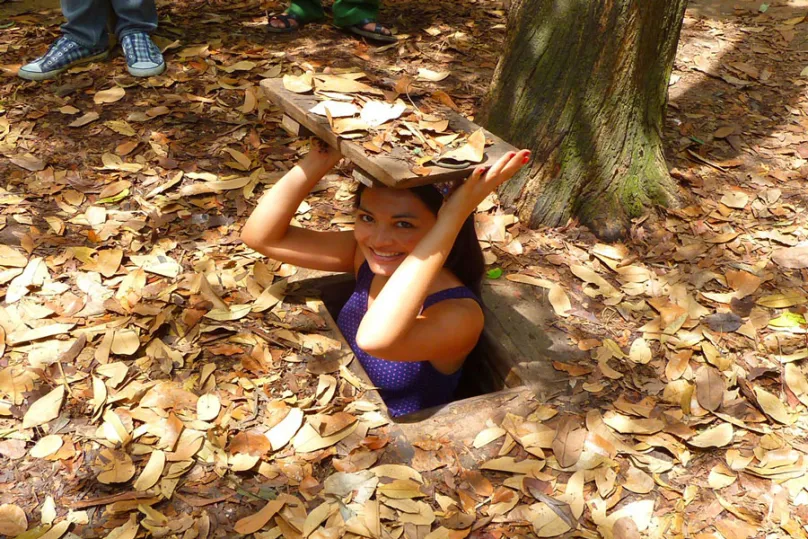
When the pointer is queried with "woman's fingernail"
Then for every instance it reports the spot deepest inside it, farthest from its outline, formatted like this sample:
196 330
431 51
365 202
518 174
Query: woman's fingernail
526 159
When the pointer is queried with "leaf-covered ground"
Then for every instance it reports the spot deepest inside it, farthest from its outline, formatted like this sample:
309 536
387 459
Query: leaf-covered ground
157 378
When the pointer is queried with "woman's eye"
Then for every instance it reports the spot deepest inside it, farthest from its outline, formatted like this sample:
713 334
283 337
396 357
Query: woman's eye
365 218
404 224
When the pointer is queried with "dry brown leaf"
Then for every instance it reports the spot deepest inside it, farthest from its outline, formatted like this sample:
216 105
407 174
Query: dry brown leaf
256 521
336 109
715 437
308 439
249 443
625 528
486 436
12 258
509 464
208 407
317 516
547 523
628 425
84 119
12 520
397 471
721 477
425 74
212 187
125 342
28 162
26 335
569 441
797 382
791 257
45 409
117 466
298 84
638 481
710 387
270 296
472 151
46 446
773 406
559 300
282 433
401 488
151 472
57 531
128 530
783 300
342 84
735 198
243 162
110 95
640 352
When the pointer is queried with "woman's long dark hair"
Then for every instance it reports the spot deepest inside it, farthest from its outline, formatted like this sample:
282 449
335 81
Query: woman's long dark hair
465 259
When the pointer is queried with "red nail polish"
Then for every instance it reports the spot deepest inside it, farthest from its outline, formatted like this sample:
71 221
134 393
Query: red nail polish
525 160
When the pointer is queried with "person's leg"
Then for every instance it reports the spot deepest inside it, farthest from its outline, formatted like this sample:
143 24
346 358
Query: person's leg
134 16
86 22
136 19
350 12
306 10
360 17
85 39
299 12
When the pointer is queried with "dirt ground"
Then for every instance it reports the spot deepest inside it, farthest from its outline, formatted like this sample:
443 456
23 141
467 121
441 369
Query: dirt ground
147 356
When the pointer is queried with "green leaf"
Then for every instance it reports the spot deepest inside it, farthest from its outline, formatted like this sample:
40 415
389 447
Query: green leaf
763 8
117 198
494 273
788 320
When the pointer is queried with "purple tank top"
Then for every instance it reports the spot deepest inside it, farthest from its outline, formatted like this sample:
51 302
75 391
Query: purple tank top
405 386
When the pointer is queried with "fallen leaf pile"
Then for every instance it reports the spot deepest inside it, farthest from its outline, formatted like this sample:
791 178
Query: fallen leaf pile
158 378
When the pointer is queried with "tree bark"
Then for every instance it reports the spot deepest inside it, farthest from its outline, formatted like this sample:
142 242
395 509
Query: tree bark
583 84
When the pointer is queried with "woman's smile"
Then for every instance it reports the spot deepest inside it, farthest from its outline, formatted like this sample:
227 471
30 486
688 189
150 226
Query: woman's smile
389 225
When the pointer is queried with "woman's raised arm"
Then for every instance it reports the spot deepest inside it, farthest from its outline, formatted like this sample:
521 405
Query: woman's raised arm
268 229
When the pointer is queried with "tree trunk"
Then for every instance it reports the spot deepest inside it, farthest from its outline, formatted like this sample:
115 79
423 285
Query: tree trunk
583 84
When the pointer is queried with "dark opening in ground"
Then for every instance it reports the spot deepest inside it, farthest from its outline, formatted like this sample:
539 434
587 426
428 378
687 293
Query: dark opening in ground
479 376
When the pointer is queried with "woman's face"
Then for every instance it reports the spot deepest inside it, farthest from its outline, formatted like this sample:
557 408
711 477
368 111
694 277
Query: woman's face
389 224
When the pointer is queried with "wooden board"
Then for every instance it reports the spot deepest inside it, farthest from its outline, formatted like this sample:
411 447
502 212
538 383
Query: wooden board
391 169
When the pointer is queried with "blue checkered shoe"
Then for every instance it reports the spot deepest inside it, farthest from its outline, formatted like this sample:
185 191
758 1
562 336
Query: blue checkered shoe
143 58
63 54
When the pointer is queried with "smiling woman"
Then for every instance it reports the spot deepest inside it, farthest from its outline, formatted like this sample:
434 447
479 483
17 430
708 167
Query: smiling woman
415 315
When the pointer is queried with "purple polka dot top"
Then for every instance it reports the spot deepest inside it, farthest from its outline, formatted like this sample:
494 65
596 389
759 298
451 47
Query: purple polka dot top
405 386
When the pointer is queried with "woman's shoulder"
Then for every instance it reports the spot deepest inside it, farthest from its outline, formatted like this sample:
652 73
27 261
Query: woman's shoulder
445 280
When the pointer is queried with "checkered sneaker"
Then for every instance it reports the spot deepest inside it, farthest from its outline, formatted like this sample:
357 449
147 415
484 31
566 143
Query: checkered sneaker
143 58
63 54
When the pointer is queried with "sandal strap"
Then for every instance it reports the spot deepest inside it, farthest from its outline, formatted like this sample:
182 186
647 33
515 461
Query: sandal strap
378 29
285 18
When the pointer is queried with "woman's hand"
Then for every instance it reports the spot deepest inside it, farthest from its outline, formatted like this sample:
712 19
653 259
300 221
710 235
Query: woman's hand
322 154
482 183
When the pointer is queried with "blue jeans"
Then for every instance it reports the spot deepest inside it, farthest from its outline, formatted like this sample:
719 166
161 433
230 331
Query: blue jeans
87 20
